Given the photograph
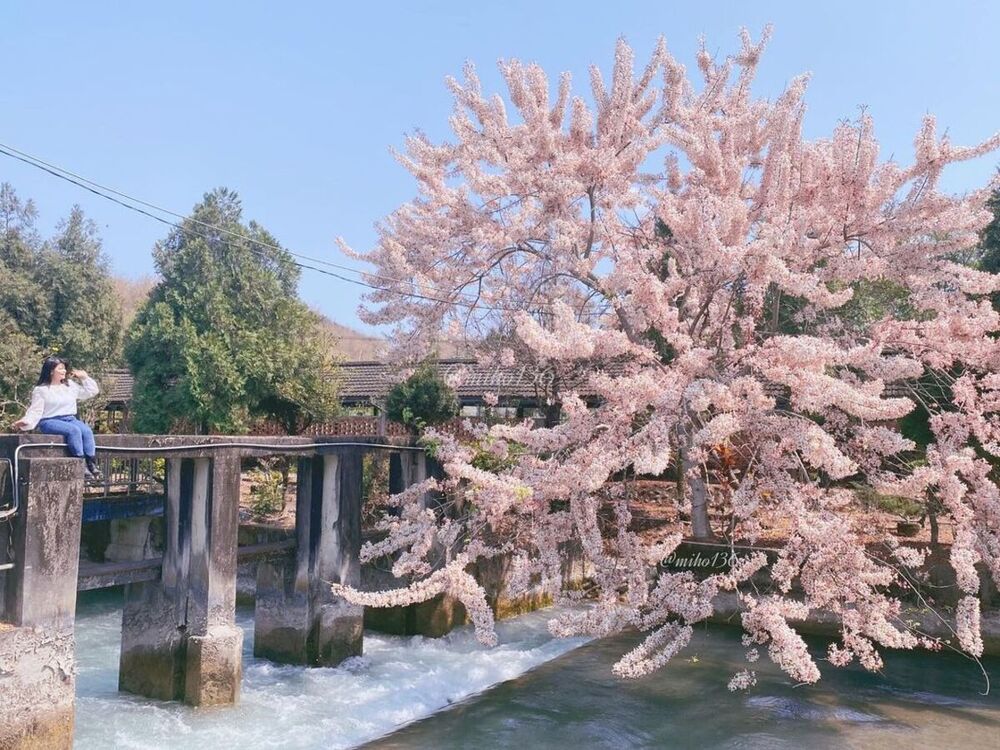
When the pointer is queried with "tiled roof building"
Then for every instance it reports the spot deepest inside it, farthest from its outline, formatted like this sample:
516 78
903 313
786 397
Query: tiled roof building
364 385
368 382
116 386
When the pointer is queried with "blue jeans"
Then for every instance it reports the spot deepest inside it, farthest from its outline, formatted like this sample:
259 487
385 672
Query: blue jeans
79 436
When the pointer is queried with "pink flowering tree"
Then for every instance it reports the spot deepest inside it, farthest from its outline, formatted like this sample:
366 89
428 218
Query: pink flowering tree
727 287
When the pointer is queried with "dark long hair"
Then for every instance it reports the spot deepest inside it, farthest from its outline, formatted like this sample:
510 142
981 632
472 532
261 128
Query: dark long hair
48 366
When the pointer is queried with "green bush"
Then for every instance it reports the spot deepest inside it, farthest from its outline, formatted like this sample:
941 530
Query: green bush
421 400
267 489
488 460
374 487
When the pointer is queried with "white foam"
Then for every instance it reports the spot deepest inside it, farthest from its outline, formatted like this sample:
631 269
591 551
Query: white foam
397 681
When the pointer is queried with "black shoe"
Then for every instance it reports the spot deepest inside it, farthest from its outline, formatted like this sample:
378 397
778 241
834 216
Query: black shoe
93 471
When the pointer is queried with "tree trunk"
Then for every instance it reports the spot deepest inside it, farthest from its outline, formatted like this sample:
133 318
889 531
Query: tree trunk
679 476
700 527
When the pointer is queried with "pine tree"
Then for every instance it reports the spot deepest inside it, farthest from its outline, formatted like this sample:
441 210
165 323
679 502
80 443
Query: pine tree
223 338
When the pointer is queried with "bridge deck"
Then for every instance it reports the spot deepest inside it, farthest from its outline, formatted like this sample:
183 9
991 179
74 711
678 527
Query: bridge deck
105 575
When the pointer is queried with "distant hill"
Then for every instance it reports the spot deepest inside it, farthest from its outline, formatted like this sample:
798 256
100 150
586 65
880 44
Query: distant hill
354 346
349 344
132 293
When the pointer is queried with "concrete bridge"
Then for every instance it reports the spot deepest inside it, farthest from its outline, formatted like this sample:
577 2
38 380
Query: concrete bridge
179 637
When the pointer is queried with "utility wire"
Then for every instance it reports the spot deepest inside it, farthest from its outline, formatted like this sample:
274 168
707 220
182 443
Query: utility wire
112 197
143 207
108 192
63 172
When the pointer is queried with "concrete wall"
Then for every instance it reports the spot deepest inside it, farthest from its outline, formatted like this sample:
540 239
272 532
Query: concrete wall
440 615
37 682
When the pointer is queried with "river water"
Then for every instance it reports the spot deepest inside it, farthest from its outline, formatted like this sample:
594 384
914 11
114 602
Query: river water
398 680
533 691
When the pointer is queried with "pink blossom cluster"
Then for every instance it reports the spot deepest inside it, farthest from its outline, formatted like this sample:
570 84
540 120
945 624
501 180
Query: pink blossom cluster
711 293
743 680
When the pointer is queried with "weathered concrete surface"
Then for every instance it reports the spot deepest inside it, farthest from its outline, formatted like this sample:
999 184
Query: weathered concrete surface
179 638
406 468
435 617
246 572
37 683
196 446
281 613
337 627
443 613
214 666
297 620
337 633
46 543
376 576
935 624
130 539
36 688
153 644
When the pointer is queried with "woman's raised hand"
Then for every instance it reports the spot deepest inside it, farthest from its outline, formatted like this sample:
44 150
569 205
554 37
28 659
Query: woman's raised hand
78 374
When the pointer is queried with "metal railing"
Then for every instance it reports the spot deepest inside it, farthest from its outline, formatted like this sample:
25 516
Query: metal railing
166 450
6 529
126 476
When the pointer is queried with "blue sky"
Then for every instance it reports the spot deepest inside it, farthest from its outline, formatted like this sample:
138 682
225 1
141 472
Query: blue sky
296 105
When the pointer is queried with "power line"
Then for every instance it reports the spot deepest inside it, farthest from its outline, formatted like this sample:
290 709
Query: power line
111 197
108 192
118 197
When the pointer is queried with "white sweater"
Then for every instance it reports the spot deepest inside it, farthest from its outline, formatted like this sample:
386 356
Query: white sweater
58 400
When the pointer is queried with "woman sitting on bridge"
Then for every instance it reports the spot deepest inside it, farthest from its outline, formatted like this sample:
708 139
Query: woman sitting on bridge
53 410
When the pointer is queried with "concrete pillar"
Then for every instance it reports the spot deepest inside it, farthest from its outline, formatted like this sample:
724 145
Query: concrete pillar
37 686
179 636
130 539
296 618
435 617
406 468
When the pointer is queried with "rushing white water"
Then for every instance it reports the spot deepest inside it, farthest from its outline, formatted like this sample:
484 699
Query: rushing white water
397 681
921 700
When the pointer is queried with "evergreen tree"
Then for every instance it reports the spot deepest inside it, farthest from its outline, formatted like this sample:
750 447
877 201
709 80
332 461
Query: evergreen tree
85 314
19 364
55 296
990 242
22 297
223 338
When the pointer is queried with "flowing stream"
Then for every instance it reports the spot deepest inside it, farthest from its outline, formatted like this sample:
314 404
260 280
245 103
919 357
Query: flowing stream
533 691
922 701
398 680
